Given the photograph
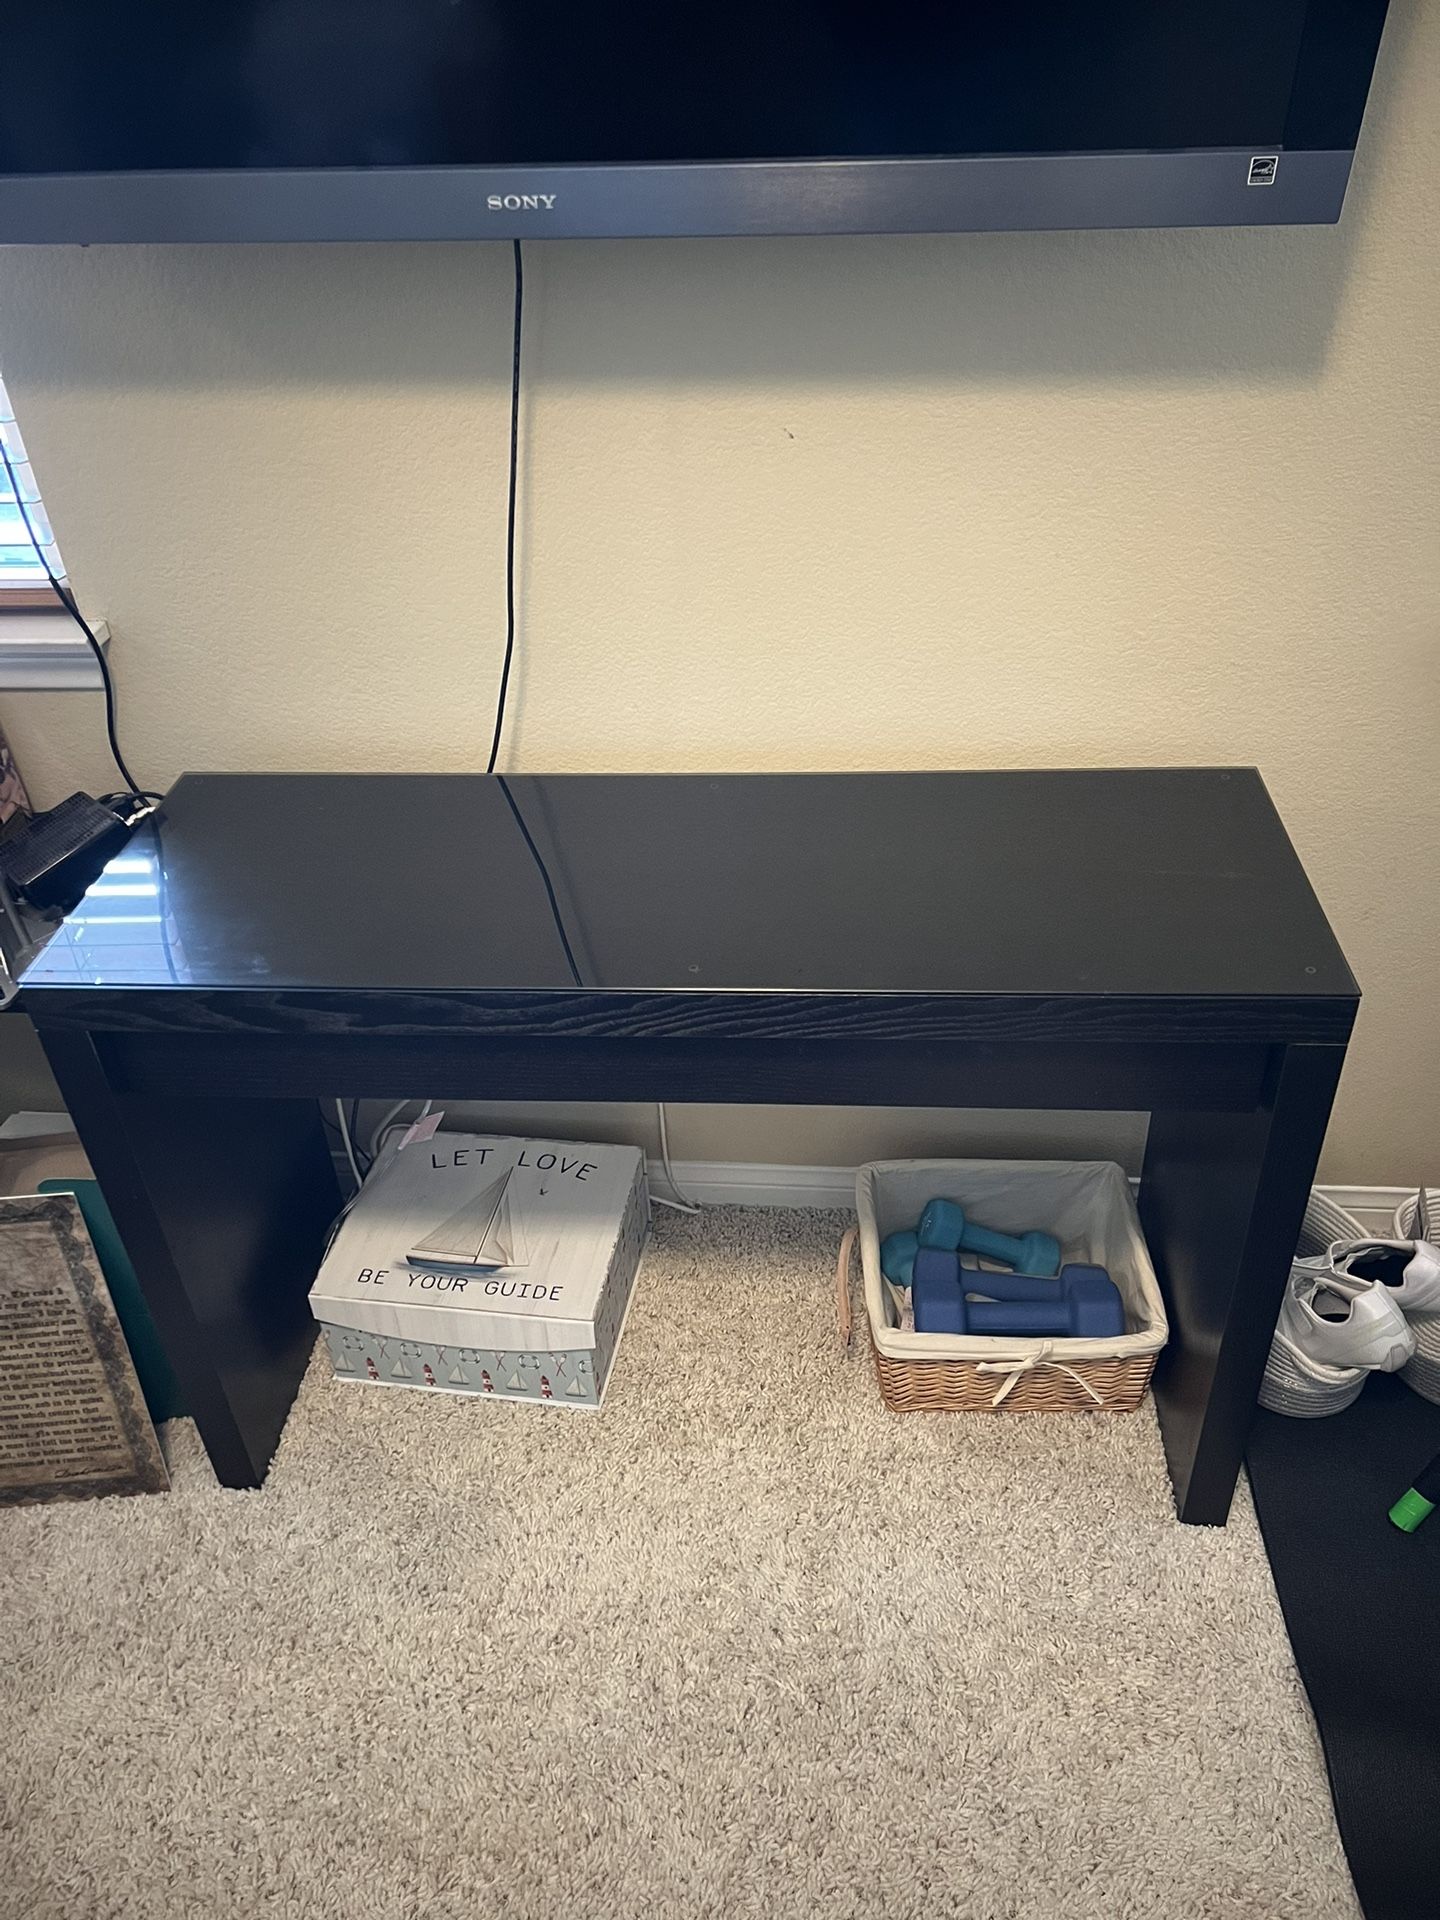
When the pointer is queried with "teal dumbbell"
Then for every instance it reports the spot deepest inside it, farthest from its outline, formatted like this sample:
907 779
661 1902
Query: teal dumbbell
943 1225
897 1257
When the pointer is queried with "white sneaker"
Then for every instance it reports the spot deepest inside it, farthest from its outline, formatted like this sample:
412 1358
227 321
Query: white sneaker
1343 1322
1409 1270
1295 1382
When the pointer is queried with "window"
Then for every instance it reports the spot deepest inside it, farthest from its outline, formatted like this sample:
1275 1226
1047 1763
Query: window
23 580
40 645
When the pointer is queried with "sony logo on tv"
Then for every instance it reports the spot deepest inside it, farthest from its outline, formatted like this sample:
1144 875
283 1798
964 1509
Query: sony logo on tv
520 202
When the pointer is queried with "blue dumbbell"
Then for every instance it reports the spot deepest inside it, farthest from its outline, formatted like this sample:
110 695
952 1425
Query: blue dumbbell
1082 1304
943 1224
897 1257
1015 1286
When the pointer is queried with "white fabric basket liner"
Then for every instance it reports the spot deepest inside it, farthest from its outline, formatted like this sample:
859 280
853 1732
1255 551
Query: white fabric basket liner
1086 1204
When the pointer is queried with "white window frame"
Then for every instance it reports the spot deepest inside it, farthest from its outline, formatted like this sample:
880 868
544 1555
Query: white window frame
40 645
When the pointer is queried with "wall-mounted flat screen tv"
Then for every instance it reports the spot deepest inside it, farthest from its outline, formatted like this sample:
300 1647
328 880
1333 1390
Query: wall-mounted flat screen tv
193 120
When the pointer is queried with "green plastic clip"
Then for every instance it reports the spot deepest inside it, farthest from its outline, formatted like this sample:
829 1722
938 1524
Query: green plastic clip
1410 1510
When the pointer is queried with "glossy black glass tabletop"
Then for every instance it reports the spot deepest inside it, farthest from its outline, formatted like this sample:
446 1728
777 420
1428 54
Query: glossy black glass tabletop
1145 882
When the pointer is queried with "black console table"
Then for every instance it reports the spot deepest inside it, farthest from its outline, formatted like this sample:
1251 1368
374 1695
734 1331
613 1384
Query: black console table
1127 940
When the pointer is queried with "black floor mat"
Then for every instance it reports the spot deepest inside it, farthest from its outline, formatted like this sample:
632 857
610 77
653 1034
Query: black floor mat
1362 1605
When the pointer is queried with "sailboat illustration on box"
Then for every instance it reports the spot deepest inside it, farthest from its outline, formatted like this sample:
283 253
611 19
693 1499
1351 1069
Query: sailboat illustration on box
486 1232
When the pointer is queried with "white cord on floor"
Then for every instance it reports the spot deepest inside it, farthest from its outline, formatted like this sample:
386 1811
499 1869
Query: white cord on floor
377 1132
349 1144
387 1120
682 1203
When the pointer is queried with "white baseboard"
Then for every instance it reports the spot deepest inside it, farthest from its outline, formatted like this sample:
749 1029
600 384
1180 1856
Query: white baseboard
722 1183
738 1183
727 1183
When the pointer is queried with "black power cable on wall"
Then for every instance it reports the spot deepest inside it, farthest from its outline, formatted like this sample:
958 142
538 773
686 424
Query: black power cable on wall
67 600
510 522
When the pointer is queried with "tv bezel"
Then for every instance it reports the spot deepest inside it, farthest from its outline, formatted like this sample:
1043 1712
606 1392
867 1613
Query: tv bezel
968 194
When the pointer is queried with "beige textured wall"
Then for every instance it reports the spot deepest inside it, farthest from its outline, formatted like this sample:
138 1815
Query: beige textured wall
1134 498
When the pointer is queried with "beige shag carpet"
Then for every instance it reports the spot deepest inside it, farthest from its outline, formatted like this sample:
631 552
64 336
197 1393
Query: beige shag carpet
741 1644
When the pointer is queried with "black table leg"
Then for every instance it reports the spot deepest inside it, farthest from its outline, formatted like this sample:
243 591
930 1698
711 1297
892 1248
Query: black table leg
1222 1198
224 1206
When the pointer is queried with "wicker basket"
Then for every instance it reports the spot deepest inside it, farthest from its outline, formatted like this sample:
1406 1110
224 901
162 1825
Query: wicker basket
1089 1207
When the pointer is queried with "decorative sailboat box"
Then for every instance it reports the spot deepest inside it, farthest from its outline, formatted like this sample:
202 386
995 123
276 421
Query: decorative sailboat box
472 1263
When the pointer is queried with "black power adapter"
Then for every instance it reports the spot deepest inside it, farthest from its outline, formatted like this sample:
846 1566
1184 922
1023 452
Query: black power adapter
52 860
